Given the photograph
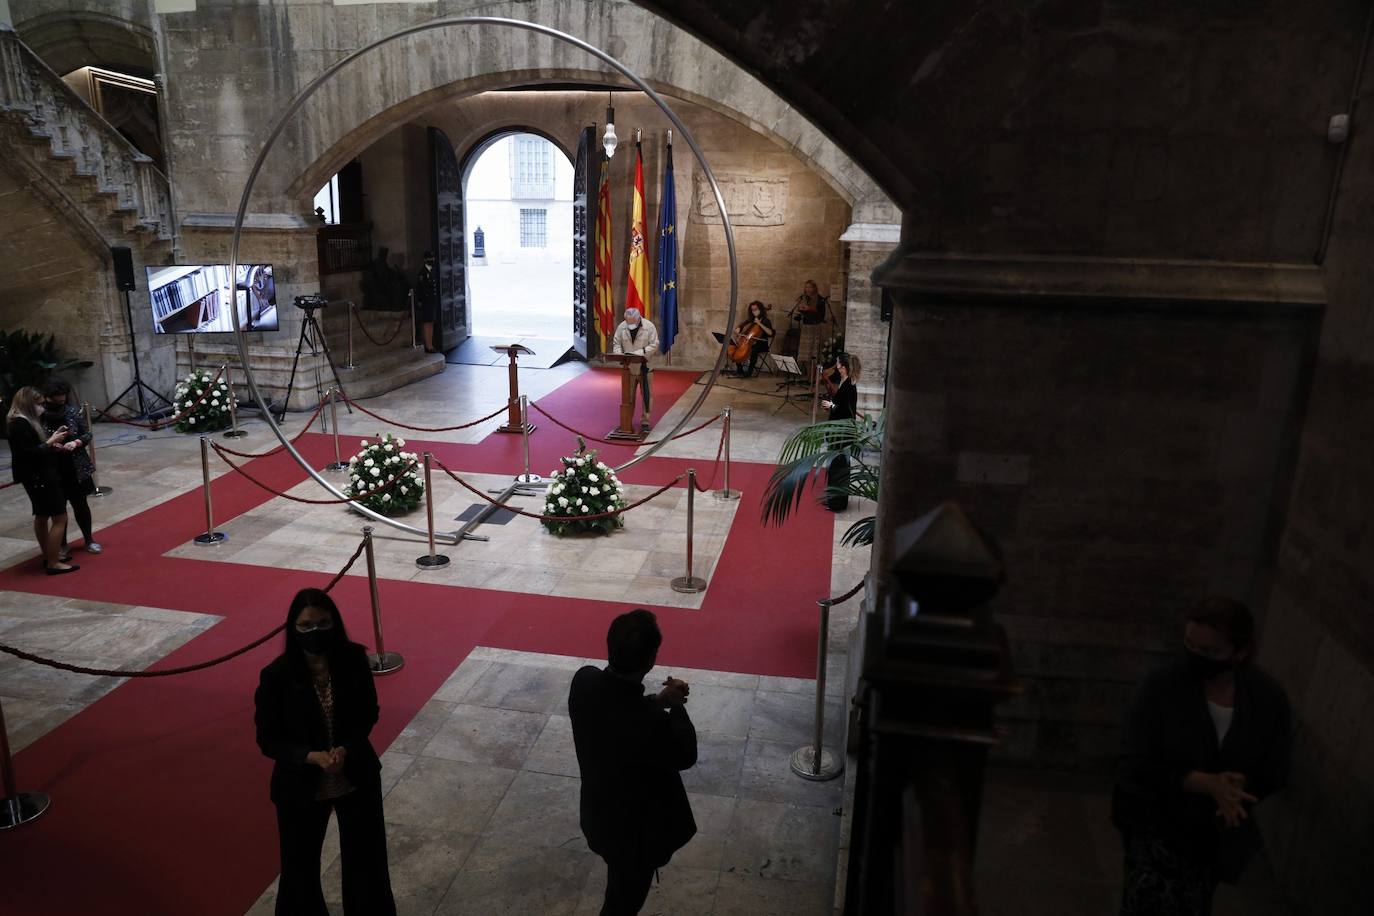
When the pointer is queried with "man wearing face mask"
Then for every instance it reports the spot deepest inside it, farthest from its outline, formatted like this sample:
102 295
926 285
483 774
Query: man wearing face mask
427 299
1207 738
636 335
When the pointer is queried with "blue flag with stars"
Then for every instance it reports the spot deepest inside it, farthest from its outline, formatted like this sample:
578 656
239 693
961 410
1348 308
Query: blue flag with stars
667 260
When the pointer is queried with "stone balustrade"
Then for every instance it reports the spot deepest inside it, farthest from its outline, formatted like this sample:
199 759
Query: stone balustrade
37 99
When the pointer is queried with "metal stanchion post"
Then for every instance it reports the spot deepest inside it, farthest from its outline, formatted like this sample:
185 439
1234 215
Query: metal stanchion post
99 490
725 492
430 560
690 584
339 464
381 661
211 536
415 342
814 762
526 477
348 357
16 807
815 395
234 431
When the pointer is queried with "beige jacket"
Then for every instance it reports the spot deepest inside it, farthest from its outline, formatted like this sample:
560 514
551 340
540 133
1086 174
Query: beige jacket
645 343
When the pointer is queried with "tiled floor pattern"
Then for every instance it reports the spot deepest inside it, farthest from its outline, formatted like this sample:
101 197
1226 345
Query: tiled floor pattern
482 800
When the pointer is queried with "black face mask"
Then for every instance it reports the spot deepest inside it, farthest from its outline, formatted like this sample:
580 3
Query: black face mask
1202 667
316 642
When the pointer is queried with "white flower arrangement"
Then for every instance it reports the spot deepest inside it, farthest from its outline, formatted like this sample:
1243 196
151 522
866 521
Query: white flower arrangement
385 494
583 486
204 414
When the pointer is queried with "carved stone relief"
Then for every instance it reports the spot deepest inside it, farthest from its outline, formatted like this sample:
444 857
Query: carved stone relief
750 200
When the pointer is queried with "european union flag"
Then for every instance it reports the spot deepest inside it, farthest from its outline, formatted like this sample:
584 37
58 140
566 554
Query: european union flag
667 260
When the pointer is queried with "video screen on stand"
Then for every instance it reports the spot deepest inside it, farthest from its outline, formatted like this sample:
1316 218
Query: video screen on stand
194 298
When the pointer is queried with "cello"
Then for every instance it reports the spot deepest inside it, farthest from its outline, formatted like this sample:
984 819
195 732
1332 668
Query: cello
744 342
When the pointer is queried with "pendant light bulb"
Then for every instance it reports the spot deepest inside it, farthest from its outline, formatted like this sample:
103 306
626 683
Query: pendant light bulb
609 139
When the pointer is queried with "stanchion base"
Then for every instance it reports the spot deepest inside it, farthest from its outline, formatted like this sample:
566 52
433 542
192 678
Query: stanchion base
517 429
348 368
726 494
336 466
101 491
22 808
689 585
385 663
432 562
211 538
804 764
528 478
236 434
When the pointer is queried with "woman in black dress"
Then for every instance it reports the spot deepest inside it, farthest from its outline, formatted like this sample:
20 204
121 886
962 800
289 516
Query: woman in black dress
316 705
1207 738
842 402
763 335
36 455
74 464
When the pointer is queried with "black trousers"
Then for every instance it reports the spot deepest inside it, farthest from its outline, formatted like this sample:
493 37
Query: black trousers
362 847
627 887
81 513
837 475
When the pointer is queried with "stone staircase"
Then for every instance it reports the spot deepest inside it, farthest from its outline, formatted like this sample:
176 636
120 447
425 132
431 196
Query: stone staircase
378 368
75 156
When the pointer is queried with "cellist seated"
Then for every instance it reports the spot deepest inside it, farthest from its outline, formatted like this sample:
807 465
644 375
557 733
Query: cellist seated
752 336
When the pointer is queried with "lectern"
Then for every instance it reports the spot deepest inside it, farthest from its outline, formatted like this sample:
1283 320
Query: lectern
513 422
630 366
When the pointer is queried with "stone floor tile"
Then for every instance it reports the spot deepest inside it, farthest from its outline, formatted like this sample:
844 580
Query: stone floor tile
767 776
790 717
463 677
447 795
529 688
539 809
554 752
720 759
479 734
721 710
420 729
519 880
679 891
713 814
747 895
782 841
422 862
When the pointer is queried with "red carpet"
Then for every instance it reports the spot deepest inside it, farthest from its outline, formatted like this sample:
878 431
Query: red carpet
159 793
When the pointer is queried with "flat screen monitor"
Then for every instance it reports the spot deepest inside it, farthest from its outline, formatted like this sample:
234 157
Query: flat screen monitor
194 298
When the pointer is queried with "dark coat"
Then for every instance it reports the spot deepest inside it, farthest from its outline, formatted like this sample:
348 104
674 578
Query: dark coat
32 461
1169 733
630 752
290 724
846 401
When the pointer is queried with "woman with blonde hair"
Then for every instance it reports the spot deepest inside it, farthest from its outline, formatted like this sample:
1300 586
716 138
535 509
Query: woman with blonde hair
36 467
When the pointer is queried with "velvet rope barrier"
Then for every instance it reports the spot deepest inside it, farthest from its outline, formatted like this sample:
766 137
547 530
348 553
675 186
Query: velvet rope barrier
422 429
362 327
280 448
559 518
847 595
715 466
184 669
386 486
591 438
173 420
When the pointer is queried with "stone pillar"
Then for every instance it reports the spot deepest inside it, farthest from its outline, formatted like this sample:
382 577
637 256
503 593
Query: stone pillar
865 333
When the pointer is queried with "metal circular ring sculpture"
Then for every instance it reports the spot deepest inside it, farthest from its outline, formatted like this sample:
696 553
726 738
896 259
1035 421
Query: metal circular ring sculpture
328 74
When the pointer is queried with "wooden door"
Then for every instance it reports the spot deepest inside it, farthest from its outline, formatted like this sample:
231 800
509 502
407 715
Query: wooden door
585 341
449 245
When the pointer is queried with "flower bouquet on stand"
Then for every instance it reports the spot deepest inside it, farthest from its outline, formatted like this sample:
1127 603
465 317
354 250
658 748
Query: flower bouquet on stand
584 486
208 400
373 476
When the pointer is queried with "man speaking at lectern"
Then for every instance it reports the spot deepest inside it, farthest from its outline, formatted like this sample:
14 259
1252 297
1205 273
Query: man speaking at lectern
637 336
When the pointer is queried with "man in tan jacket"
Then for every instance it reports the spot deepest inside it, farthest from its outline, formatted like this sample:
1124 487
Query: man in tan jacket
638 337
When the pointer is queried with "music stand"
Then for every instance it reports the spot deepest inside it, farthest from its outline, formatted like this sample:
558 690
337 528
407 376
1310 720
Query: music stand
793 375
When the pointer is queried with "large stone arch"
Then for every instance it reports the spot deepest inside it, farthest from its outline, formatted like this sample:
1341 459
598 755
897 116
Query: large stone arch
70 39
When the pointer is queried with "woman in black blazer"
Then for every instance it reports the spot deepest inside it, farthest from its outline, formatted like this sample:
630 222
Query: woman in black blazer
316 705
843 403
1206 740
36 456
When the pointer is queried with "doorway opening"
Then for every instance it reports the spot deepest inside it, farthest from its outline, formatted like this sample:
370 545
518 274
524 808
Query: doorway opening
518 205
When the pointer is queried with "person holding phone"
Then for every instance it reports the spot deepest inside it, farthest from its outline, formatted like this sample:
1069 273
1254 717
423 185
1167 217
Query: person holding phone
74 463
36 467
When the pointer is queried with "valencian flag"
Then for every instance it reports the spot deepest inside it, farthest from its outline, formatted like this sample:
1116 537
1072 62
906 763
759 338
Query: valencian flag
605 301
667 258
637 288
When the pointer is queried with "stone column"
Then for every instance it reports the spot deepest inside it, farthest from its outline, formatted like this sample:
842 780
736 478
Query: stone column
865 333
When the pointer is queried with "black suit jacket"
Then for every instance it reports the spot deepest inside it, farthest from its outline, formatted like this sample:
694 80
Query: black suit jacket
1169 733
290 724
32 460
630 752
846 401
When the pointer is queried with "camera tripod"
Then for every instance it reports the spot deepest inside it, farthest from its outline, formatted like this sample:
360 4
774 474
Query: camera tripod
311 334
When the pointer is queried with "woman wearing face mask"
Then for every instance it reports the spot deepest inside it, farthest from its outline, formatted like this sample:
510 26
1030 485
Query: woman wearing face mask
1206 739
316 705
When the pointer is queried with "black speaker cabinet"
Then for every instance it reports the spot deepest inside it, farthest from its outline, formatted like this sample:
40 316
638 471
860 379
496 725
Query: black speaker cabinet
124 268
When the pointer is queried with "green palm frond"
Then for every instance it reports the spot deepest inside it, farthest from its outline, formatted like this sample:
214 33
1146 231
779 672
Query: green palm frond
813 449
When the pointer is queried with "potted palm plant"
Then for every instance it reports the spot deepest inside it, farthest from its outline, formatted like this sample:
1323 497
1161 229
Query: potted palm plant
813 449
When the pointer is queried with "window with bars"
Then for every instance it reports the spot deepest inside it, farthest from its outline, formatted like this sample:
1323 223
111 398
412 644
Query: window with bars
532 170
534 228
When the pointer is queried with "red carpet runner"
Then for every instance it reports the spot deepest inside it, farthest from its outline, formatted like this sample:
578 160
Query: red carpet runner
159 792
